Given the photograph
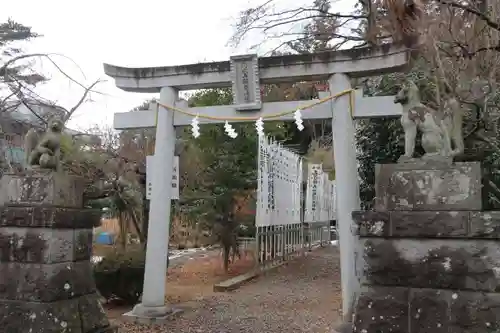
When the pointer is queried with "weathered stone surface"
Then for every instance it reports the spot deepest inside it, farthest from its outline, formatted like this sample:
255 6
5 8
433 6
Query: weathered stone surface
429 311
384 309
432 187
474 312
430 240
429 224
25 245
82 246
46 278
42 187
46 282
485 225
38 245
441 264
25 317
392 188
418 224
372 224
56 317
380 309
49 217
435 163
92 314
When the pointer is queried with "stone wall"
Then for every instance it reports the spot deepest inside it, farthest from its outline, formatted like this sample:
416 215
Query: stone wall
430 258
46 279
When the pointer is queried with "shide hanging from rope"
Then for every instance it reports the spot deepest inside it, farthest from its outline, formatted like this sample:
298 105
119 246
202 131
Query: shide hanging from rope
259 121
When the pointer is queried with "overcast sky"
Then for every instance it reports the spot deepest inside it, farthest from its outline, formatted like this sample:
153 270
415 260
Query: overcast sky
127 33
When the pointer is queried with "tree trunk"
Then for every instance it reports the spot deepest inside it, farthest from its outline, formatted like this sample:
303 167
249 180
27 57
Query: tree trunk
226 258
122 222
140 233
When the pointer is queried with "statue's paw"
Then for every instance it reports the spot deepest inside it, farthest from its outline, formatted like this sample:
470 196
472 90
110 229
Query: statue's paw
457 153
445 154
47 162
405 159
437 156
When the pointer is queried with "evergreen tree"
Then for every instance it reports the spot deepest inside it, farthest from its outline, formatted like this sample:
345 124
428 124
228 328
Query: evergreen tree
227 171
19 74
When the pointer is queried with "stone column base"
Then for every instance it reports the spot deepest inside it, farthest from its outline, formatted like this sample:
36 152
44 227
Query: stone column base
82 314
46 280
151 315
343 328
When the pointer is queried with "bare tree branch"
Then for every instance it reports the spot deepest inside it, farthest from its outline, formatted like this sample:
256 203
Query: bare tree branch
265 19
81 101
478 13
18 89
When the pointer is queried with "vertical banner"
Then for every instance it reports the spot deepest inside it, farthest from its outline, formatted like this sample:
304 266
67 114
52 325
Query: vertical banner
333 201
299 191
313 206
259 202
320 196
279 185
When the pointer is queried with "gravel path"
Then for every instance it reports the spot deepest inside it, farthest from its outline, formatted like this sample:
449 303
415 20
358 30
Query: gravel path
178 257
303 296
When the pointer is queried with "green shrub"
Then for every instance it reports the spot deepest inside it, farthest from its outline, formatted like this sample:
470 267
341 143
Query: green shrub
120 275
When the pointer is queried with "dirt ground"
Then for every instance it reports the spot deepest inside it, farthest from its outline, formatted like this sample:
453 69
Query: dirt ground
302 296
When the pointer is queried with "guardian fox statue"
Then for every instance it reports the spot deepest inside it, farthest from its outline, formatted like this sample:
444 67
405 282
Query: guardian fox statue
441 130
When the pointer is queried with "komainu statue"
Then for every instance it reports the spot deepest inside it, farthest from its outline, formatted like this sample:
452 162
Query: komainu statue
44 151
441 130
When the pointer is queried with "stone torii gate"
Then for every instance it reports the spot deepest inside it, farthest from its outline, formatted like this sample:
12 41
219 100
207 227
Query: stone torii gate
245 74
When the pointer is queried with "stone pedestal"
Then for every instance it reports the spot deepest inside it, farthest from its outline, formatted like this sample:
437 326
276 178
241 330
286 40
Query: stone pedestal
429 258
46 280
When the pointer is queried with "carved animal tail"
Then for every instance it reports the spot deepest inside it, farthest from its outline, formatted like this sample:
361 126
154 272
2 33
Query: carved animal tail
30 143
457 117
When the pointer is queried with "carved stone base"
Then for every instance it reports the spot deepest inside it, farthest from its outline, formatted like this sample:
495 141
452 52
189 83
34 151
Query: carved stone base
436 161
41 187
343 328
404 310
46 278
428 259
83 315
151 315
423 185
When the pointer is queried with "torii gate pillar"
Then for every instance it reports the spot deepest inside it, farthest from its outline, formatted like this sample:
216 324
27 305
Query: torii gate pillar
153 297
347 185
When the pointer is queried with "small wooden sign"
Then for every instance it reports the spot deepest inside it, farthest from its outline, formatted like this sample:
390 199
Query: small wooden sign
149 178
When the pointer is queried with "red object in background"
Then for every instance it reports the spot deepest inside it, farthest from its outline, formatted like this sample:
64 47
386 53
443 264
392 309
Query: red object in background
321 87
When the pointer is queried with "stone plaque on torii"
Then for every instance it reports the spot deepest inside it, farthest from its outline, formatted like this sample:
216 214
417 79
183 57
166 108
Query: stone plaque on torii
245 82
245 74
